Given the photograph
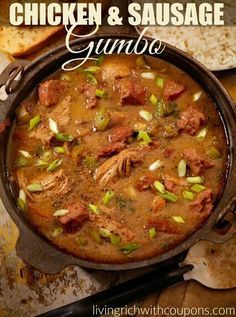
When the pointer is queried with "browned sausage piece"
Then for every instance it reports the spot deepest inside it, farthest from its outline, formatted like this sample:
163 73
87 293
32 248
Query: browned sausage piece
131 92
50 91
191 120
197 162
145 182
90 95
203 202
111 149
120 134
76 217
164 225
172 90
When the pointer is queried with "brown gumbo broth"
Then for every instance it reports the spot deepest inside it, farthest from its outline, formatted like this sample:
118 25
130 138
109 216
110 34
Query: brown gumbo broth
119 160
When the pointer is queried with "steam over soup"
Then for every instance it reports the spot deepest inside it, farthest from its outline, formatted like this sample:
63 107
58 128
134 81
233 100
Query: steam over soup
118 161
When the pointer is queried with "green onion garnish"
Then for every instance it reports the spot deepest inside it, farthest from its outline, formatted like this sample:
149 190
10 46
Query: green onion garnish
160 82
195 180
25 154
34 122
35 188
115 239
169 197
148 75
63 137
92 69
91 79
101 120
60 212
178 219
197 96
153 99
202 134
143 135
130 247
104 233
94 209
90 162
188 195
21 161
146 115
182 167
213 153
155 165
160 187
46 156
108 197
95 235
59 149
57 232
41 163
152 233
198 188
100 93
21 201
53 126
54 165
100 59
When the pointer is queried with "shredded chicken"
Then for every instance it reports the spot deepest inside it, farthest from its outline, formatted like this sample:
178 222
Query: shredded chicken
53 184
118 166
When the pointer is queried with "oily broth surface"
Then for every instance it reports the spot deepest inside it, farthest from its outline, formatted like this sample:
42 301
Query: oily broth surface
129 207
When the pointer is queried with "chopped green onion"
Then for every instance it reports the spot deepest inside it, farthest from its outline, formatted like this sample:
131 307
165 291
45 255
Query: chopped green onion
94 209
178 219
115 239
182 167
21 205
153 99
155 165
34 122
108 197
59 149
21 161
46 156
197 96
198 188
57 232
104 233
214 153
81 240
152 233
100 93
188 195
160 82
130 247
54 165
160 187
63 137
91 79
92 69
202 134
169 197
60 212
101 120
25 154
100 59
90 162
35 188
22 196
53 126
41 163
146 115
148 75
143 135
195 180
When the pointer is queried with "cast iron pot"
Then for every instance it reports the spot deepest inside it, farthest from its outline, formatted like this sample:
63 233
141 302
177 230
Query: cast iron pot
21 77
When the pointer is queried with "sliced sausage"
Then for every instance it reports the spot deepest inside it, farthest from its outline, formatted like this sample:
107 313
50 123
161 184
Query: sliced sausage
50 92
172 90
76 217
111 149
191 120
131 92
164 225
157 204
145 182
197 162
203 202
120 134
